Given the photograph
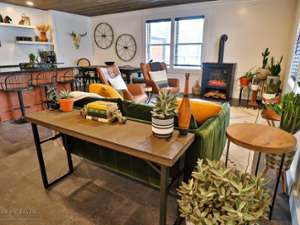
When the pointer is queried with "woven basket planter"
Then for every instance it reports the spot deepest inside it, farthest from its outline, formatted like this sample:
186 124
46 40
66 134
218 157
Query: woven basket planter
273 160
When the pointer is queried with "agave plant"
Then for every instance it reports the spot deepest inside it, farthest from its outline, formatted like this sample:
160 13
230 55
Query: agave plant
218 195
65 94
165 106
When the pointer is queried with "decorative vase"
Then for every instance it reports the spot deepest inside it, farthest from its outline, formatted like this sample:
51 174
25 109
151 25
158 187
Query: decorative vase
66 105
162 128
184 112
43 36
196 90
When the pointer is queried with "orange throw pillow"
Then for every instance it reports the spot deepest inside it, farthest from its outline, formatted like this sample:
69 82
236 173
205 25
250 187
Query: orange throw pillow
104 90
202 110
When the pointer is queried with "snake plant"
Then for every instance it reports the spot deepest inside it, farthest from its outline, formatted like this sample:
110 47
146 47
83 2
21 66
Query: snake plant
216 195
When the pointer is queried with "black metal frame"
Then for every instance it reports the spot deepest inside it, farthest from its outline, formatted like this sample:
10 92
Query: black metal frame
256 173
165 185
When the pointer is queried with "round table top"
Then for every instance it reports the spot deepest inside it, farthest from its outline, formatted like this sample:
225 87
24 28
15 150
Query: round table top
261 138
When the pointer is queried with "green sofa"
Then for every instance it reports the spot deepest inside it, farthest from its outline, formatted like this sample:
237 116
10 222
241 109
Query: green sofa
209 143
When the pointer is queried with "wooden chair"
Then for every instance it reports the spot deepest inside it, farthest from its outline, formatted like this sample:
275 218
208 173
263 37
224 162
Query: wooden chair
134 92
172 82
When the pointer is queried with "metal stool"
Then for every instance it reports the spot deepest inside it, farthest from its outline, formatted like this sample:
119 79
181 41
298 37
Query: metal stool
16 83
44 79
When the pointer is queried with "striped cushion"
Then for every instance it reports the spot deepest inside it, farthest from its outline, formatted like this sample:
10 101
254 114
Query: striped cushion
160 78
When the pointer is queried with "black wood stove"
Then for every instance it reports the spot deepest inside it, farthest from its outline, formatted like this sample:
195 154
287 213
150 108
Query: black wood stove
218 78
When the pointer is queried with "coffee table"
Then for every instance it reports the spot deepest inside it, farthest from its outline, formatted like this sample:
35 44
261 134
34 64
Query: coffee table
262 139
139 142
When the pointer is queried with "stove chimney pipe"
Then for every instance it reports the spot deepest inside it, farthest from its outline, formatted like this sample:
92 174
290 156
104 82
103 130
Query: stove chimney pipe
223 39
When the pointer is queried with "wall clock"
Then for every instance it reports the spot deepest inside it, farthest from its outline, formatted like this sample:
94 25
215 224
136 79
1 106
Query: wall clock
126 47
103 35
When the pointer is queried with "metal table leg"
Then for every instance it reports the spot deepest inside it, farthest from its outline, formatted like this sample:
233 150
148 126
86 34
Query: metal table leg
257 164
164 174
227 152
22 108
39 152
276 186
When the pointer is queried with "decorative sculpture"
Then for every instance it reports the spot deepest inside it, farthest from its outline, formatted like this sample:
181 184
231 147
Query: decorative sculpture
76 38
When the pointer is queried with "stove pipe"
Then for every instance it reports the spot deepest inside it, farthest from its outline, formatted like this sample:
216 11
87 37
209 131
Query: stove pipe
223 39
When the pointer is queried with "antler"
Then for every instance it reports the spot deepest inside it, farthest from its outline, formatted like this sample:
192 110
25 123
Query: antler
83 34
72 34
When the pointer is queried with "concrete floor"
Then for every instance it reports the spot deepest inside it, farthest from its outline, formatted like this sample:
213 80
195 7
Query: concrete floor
89 196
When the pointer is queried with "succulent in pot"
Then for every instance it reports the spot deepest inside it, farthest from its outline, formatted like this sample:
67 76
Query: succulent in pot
66 101
219 195
163 114
263 72
247 78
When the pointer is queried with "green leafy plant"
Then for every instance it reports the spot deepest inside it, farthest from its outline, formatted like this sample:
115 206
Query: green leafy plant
52 95
290 119
218 195
165 106
32 58
65 94
275 68
273 87
265 56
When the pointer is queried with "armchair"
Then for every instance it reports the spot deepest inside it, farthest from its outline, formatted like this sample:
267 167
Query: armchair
131 92
146 68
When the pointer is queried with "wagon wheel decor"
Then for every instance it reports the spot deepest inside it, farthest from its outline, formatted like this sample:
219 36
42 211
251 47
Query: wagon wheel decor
126 47
103 35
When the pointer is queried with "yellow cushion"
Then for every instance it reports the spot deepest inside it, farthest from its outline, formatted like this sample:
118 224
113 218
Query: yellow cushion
202 110
104 90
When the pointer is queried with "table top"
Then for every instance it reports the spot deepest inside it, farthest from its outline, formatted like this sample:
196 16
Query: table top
261 138
133 138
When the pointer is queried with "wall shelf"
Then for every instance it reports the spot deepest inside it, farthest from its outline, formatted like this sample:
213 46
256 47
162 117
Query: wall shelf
16 26
33 43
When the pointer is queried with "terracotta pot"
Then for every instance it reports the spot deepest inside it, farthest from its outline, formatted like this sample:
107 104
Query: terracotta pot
162 128
244 81
66 105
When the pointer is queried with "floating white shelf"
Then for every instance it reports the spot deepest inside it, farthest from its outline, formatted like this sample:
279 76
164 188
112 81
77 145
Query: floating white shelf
16 26
33 43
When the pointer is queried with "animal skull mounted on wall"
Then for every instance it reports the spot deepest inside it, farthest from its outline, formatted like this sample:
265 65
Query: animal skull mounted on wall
76 38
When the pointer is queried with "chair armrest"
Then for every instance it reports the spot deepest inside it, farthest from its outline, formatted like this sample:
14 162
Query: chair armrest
173 82
155 88
136 89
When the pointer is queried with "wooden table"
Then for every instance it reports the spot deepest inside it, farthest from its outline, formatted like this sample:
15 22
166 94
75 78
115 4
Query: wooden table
128 70
262 139
139 142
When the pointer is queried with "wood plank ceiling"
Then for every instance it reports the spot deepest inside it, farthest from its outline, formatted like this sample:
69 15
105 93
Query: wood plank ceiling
100 7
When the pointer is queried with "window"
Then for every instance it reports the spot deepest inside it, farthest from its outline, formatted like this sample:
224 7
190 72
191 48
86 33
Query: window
159 40
189 40
177 42
295 61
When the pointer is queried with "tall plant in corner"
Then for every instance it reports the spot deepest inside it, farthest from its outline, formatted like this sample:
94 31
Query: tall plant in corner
163 114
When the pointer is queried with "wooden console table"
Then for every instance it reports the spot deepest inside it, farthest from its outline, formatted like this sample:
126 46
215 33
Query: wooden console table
139 142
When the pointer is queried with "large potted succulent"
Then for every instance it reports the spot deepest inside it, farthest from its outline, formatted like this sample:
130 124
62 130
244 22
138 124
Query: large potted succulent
263 71
290 122
163 114
218 195
66 101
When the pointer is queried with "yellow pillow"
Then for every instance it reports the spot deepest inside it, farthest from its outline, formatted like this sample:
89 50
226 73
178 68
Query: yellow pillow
202 110
104 90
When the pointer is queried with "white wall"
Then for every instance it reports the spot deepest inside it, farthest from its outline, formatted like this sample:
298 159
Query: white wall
65 23
252 25
10 52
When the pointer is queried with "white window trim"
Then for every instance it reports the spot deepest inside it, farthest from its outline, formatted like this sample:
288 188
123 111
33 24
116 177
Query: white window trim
171 68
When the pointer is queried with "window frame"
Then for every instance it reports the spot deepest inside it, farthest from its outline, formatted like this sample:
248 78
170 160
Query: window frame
177 44
148 38
173 45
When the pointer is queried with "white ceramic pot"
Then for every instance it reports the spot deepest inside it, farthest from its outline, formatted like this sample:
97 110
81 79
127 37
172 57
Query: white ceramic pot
162 128
269 96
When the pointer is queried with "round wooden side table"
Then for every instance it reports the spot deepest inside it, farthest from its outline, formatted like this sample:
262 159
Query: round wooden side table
262 139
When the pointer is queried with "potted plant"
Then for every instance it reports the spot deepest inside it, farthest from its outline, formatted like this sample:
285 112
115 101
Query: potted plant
290 122
219 195
263 72
52 99
163 114
272 88
247 78
66 101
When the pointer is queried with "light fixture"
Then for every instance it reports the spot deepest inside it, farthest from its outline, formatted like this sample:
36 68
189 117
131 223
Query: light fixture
29 3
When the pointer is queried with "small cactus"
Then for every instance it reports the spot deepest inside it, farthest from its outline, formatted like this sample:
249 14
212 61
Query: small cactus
275 68
265 55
